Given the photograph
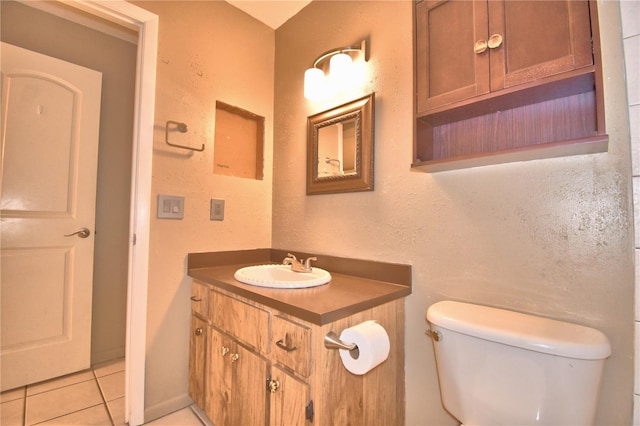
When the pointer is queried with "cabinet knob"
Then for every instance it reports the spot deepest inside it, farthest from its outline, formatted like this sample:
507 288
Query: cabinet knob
198 331
224 350
235 357
480 46
274 385
495 41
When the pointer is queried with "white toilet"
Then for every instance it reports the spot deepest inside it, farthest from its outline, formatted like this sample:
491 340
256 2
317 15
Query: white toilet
499 367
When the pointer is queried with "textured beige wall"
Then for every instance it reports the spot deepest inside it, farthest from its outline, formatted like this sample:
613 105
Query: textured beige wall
116 59
550 237
207 51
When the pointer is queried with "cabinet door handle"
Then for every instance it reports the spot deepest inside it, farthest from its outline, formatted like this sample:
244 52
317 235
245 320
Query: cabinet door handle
224 350
235 357
495 41
196 299
480 46
198 331
284 346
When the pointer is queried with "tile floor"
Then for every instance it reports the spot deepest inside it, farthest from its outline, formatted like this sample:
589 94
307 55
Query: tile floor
90 397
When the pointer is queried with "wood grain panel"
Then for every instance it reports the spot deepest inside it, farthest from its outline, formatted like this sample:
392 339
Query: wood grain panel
197 361
247 323
375 398
289 401
200 299
297 340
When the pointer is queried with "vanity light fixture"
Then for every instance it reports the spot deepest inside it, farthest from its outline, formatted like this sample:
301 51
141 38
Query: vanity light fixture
340 70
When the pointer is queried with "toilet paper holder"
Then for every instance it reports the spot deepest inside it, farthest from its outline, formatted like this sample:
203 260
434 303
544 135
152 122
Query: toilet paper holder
332 341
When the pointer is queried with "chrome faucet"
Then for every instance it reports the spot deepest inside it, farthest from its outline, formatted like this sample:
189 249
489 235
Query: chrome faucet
299 265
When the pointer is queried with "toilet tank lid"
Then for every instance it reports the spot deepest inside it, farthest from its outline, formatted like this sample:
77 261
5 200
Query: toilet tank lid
520 330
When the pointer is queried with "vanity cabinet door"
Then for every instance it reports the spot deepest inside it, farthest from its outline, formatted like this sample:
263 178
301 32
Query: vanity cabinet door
291 343
236 389
289 399
197 360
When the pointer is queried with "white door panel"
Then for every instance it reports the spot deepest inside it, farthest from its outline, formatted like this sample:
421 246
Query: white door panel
50 129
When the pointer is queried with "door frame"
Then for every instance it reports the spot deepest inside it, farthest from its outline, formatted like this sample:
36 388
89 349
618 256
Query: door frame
146 25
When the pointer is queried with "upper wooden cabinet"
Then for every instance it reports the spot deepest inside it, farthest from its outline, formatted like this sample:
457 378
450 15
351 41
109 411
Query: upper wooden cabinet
537 39
490 74
447 68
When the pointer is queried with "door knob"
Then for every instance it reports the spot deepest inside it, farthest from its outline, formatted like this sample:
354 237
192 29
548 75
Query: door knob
82 233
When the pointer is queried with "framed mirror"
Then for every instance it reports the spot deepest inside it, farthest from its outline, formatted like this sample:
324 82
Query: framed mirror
340 148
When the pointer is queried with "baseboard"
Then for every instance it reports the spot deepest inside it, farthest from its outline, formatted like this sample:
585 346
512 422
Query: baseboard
108 355
167 407
201 415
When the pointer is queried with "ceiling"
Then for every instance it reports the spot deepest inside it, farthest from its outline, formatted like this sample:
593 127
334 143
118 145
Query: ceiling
271 12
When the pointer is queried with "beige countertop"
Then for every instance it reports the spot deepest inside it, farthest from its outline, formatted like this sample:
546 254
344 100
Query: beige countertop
356 285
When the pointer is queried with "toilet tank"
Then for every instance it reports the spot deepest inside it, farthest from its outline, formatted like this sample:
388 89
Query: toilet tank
502 367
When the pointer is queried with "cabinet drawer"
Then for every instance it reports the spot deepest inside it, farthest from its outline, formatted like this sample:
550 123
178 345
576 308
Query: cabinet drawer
199 299
245 322
292 345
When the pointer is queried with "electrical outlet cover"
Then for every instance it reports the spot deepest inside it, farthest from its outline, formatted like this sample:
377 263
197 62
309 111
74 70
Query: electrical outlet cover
216 211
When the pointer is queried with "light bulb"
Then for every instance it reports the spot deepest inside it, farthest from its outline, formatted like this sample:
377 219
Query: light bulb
313 83
340 71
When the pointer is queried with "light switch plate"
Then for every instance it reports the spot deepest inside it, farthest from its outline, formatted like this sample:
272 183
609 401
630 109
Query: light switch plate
170 207
217 210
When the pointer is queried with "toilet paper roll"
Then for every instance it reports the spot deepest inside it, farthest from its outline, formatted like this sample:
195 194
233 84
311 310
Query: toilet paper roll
373 347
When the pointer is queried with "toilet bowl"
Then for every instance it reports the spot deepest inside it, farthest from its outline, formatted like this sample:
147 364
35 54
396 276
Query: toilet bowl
499 367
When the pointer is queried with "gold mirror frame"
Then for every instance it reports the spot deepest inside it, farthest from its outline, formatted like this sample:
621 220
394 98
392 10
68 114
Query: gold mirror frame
361 113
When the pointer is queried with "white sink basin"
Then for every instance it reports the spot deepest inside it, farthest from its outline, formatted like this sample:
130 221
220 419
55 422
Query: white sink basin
281 276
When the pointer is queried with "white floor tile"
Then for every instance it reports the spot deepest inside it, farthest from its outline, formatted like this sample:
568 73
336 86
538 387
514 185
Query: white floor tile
184 417
92 416
59 382
112 386
58 402
12 413
116 409
79 399
12 394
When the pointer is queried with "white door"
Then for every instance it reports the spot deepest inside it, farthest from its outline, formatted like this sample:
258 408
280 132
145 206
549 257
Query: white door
50 125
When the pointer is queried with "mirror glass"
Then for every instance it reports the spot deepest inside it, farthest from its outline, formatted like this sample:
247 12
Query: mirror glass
340 148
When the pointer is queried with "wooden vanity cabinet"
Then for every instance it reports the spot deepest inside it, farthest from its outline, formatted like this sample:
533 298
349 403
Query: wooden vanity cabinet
197 359
504 77
265 367
198 342
236 383
290 399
